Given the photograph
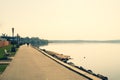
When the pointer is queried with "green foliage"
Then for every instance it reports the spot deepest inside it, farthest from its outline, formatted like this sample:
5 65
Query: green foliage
35 41
8 48
2 67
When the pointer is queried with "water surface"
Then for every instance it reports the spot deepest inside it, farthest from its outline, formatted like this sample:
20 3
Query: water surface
100 58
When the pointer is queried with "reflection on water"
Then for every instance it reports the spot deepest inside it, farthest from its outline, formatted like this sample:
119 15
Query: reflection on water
100 58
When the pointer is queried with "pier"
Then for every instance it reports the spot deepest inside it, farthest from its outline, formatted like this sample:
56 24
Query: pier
32 64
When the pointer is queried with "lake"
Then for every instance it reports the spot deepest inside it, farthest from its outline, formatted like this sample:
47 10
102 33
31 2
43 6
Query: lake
101 58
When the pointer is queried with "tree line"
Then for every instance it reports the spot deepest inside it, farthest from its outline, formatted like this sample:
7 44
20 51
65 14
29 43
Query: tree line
35 41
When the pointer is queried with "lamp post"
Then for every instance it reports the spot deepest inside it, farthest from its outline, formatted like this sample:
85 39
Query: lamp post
18 41
13 41
12 32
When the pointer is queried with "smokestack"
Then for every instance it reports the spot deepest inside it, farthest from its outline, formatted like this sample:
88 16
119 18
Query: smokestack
12 32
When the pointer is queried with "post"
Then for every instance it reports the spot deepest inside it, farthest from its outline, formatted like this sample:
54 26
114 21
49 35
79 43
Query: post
12 32
18 43
13 41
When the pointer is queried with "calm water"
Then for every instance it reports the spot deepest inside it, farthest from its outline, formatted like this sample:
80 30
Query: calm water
100 58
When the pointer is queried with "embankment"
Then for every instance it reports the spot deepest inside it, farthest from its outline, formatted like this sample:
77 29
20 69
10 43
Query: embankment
62 59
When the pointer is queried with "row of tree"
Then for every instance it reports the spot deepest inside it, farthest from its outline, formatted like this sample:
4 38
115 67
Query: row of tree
35 41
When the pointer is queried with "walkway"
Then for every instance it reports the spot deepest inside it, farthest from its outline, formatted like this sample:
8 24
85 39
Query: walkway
30 64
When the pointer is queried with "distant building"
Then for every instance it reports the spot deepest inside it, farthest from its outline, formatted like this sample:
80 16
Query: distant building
3 42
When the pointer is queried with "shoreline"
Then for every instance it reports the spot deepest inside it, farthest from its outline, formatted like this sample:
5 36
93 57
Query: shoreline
66 58
70 65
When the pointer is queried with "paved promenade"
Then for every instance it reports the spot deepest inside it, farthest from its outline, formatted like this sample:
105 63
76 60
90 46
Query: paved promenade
30 64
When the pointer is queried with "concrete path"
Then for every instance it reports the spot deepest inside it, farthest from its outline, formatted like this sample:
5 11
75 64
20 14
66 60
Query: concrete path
30 64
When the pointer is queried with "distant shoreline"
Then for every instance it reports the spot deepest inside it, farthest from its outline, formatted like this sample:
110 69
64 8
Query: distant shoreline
83 41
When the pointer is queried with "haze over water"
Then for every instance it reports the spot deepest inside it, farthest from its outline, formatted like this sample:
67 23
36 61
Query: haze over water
61 19
101 58
69 20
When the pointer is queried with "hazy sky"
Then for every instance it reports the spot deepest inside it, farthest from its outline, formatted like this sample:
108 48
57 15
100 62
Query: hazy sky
61 19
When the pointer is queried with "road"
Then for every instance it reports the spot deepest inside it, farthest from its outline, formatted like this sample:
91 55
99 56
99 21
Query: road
30 64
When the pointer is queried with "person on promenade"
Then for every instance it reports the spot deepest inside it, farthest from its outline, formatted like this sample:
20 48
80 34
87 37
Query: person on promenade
27 44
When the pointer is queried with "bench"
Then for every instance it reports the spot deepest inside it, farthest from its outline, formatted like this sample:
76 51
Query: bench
6 52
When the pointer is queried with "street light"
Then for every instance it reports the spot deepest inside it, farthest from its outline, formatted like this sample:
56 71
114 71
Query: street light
18 41
13 41
12 32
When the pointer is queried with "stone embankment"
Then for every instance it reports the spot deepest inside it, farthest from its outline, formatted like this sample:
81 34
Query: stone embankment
61 57
65 58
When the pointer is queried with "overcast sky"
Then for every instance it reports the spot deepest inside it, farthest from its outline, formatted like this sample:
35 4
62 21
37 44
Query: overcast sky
61 19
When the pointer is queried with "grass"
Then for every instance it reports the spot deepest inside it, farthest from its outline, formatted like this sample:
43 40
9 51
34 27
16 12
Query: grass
8 48
2 67
3 57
